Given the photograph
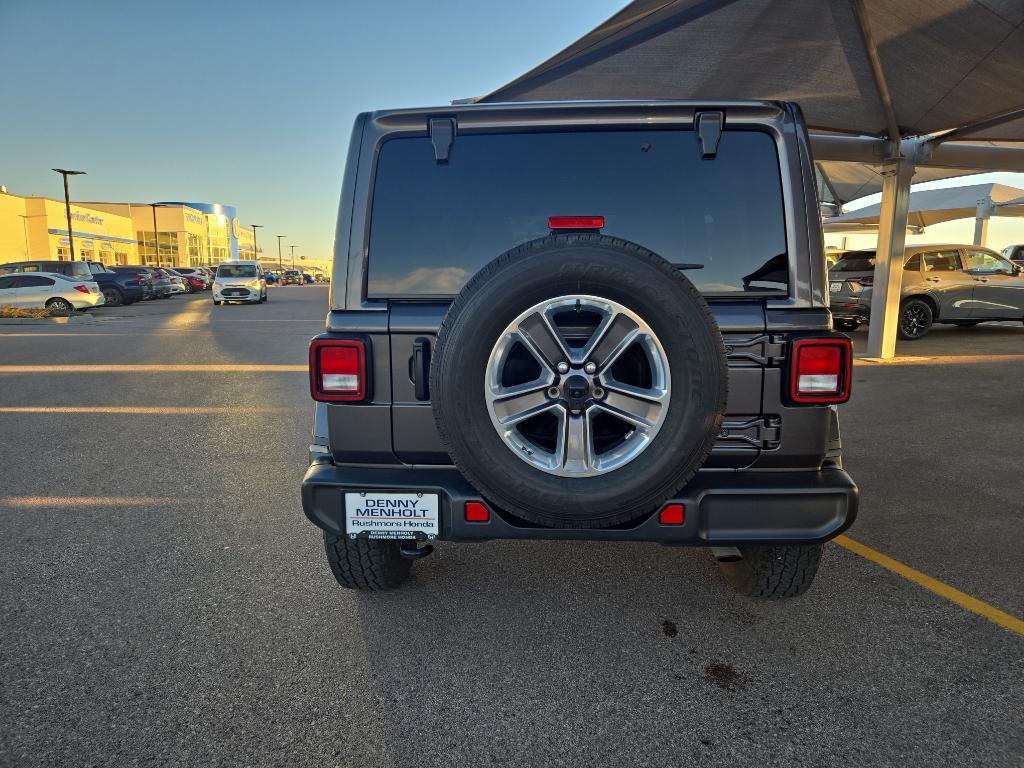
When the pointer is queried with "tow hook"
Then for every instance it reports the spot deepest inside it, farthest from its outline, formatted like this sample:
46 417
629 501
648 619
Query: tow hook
413 551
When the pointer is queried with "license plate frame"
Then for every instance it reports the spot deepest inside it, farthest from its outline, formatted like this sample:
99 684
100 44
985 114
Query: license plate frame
392 515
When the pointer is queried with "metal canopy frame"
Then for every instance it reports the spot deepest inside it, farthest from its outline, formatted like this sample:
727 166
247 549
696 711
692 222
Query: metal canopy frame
895 152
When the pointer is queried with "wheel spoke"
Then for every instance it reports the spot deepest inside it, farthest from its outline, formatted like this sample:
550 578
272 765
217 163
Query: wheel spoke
516 404
640 407
611 339
577 453
538 333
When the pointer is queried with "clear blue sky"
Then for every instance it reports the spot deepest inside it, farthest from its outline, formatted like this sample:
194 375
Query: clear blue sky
248 104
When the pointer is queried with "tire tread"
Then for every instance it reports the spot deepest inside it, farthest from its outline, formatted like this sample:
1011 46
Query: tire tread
365 564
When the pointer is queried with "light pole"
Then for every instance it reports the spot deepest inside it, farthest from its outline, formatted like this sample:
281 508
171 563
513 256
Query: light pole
156 232
280 260
255 250
293 247
67 204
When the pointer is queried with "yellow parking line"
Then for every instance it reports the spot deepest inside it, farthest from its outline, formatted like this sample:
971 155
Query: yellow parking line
83 501
146 368
972 604
134 409
938 359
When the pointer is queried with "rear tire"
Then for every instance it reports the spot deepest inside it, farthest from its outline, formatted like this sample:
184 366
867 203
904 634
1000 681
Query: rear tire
60 307
773 572
113 297
915 320
217 303
368 564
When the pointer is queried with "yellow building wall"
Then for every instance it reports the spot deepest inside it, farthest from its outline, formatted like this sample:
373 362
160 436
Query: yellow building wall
99 235
13 229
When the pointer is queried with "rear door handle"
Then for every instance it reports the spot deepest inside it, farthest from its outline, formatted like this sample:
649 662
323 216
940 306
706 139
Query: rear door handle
419 368
932 279
981 280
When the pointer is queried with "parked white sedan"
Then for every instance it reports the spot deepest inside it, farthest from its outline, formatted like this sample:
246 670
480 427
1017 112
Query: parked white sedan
38 290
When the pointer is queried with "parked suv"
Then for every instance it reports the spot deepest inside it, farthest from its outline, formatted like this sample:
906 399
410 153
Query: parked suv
954 284
292 277
585 321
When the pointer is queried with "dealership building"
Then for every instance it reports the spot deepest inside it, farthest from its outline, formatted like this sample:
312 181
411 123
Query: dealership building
186 233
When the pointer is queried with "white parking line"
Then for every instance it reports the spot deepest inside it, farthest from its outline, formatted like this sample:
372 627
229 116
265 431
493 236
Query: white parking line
155 368
134 409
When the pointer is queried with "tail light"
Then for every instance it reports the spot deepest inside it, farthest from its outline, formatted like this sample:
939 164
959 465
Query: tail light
137 280
857 283
81 288
337 370
821 370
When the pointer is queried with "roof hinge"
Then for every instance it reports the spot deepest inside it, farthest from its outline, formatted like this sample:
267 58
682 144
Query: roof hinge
442 134
709 131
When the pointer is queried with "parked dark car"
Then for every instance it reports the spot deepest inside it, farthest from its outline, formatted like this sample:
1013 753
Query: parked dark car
942 283
580 321
307 278
271 278
77 268
118 288
291 277
1015 253
153 286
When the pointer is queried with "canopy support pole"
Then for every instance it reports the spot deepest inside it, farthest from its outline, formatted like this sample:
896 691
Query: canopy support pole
981 217
892 234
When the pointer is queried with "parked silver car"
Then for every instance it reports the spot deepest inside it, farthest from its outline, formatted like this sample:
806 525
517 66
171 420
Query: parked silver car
38 290
959 284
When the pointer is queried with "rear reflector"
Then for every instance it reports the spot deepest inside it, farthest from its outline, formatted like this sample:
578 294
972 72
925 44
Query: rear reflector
672 514
337 370
821 371
81 289
575 222
476 512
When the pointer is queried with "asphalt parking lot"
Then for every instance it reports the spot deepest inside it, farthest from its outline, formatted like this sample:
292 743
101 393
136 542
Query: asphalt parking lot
165 602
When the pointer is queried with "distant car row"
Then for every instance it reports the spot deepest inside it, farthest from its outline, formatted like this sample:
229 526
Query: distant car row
958 284
67 286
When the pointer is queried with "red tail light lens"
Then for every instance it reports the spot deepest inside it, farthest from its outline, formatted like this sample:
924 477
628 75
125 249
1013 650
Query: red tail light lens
821 371
337 370
476 512
672 514
575 222
81 289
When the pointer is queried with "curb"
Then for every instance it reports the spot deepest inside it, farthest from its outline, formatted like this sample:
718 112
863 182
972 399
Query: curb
46 320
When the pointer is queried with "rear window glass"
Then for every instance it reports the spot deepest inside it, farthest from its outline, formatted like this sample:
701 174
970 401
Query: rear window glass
236 270
856 261
434 224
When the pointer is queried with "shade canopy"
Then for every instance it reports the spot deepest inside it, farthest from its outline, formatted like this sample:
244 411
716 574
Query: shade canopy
923 89
932 206
947 64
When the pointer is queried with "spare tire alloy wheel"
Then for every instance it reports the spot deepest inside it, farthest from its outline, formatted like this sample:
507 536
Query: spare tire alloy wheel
578 381
549 421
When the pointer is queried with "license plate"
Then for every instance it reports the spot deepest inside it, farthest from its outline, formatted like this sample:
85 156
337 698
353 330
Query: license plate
392 515
835 287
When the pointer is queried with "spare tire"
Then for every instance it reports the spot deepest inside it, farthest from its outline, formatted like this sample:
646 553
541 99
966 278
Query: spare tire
578 381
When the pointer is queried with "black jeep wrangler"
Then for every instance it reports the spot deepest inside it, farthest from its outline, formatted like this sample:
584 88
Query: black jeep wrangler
589 320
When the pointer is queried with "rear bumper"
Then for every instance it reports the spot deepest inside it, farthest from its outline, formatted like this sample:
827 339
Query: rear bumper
850 309
722 508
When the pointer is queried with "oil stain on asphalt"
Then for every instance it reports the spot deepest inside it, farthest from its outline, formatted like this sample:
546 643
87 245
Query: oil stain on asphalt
724 676
669 628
